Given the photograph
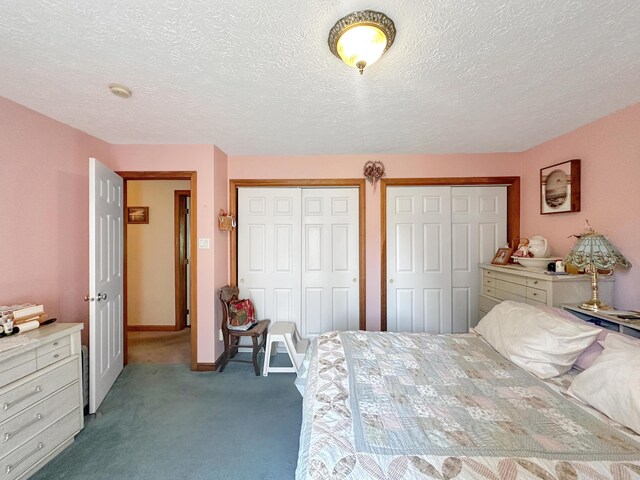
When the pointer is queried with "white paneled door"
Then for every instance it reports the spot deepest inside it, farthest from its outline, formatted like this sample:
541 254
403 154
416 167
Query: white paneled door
105 281
269 251
330 260
436 237
298 255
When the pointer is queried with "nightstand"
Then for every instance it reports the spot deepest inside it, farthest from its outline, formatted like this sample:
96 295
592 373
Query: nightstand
606 320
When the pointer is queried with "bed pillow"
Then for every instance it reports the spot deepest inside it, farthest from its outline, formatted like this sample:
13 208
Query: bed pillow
612 383
542 343
586 358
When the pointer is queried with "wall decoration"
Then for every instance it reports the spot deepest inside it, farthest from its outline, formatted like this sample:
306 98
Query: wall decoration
373 172
502 256
137 214
560 188
226 221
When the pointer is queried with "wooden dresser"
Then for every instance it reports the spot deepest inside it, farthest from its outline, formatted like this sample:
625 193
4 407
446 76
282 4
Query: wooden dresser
41 408
535 287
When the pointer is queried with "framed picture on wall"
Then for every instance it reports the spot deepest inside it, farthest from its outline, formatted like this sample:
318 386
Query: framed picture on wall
137 214
560 188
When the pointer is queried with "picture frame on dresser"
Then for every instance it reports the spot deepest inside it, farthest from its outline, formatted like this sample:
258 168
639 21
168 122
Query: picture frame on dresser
502 256
560 188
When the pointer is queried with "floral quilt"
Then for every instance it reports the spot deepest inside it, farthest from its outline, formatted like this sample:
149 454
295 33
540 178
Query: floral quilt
404 406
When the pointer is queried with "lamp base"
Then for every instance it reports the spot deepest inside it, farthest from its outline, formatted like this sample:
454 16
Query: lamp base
594 306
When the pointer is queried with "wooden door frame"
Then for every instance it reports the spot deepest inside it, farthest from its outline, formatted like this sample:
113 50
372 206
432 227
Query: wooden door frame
178 195
234 184
513 215
192 176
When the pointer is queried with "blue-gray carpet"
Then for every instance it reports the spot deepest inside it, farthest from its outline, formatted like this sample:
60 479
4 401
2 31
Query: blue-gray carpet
166 422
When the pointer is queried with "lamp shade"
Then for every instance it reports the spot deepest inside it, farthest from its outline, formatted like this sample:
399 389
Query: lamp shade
594 250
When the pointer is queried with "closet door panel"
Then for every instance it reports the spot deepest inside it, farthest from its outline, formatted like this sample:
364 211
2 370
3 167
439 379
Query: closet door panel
479 228
419 259
269 251
330 274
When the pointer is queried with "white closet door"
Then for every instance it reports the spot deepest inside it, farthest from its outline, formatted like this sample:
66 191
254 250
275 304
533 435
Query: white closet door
419 259
269 251
478 229
330 260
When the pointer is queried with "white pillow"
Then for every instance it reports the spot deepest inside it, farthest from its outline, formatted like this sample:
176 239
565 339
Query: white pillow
542 343
612 383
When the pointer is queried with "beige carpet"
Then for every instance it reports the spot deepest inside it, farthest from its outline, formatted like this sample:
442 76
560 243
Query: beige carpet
160 347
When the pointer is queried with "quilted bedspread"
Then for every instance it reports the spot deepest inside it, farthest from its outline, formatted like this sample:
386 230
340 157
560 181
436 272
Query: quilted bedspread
404 406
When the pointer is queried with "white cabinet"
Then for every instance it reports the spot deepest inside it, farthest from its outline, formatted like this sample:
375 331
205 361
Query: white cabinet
41 408
535 287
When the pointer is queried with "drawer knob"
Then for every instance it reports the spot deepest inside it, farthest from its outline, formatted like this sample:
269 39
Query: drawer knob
535 282
55 344
535 294
57 355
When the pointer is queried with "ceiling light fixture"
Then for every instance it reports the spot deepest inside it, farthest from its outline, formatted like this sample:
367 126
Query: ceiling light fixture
120 90
361 38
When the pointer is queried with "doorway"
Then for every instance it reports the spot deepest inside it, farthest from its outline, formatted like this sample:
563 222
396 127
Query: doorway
160 321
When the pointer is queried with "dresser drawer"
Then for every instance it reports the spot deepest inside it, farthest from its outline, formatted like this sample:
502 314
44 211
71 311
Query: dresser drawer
36 418
504 295
489 282
535 283
535 302
513 288
490 291
15 398
507 277
537 295
28 454
52 356
17 367
486 304
54 345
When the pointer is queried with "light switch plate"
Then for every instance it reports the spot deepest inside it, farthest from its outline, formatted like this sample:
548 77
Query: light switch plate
203 243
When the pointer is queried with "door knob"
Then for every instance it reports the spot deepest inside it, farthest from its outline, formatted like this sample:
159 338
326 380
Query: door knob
355 279
242 280
87 298
391 280
101 296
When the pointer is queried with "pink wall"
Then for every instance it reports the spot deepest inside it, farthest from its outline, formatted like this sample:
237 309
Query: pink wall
221 238
397 166
199 158
610 152
44 212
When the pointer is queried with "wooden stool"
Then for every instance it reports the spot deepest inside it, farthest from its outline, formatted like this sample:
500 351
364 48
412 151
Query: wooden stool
296 347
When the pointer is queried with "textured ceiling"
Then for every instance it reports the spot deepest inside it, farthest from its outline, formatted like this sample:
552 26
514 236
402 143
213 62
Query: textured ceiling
257 77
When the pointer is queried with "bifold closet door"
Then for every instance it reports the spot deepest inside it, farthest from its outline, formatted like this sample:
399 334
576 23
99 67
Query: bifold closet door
436 238
478 229
269 251
419 259
298 256
330 260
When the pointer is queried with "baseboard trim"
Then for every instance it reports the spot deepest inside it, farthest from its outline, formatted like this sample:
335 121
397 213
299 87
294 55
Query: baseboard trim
209 367
151 328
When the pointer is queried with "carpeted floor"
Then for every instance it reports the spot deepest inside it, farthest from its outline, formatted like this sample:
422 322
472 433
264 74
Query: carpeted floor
166 422
159 347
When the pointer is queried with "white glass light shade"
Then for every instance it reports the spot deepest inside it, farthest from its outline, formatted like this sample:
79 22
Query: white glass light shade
361 45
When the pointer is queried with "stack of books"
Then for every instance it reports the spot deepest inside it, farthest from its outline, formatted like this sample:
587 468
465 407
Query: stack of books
24 313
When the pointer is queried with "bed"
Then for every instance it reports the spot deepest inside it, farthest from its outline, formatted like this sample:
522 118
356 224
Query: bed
386 405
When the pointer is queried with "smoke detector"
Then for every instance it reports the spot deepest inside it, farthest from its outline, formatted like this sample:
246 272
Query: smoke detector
120 90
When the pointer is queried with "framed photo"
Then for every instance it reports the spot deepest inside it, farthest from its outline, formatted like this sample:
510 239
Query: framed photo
560 188
137 214
502 256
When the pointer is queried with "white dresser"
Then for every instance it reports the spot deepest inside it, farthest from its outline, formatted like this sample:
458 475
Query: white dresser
41 408
535 287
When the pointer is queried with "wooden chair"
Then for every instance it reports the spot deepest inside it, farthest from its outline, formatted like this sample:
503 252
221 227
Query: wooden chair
232 338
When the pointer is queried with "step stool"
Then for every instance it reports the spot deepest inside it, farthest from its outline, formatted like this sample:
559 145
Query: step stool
296 347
